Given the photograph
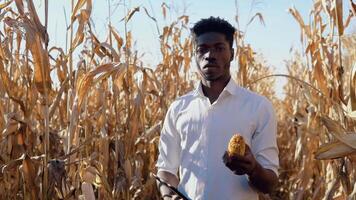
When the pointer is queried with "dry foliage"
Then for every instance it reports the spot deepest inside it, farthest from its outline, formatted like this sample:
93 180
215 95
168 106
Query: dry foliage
96 135
317 132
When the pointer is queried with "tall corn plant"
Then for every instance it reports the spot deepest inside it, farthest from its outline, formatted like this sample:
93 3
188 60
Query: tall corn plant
319 135
252 67
96 135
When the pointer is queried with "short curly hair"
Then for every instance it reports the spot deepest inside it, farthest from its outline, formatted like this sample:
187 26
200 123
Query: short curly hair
214 24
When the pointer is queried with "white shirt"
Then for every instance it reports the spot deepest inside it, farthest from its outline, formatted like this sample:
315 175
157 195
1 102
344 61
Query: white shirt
196 134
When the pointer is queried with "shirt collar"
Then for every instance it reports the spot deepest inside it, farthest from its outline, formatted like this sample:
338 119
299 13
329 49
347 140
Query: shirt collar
231 87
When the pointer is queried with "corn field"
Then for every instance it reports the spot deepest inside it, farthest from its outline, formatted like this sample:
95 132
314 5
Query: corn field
95 135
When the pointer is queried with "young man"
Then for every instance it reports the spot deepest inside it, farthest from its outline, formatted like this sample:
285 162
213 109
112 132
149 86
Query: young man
199 125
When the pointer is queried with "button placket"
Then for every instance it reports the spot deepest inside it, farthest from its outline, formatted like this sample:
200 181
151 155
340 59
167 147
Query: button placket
204 148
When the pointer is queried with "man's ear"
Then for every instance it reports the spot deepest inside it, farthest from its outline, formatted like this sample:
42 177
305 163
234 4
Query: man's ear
232 54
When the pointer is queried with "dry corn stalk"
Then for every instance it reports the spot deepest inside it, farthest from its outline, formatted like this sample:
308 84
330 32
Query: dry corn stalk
104 119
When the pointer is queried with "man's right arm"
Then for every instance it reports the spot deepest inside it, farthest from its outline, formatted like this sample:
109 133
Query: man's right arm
169 178
168 160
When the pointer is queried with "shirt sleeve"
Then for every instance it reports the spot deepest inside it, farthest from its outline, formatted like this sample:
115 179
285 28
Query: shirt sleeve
264 140
169 145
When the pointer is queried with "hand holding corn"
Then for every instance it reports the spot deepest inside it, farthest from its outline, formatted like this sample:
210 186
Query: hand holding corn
238 157
236 145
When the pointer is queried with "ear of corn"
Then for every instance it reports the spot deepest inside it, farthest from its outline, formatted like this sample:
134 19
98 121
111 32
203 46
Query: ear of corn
236 145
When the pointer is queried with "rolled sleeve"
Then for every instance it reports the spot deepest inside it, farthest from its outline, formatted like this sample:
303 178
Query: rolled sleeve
264 140
169 145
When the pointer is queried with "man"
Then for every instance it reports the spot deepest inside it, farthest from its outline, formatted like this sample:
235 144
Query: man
199 125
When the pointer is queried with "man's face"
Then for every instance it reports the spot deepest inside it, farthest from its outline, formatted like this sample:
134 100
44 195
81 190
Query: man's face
213 56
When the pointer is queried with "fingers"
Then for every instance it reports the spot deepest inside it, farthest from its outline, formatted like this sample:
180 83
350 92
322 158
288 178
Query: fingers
238 164
248 151
226 158
239 172
234 158
241 168
239 159
247 148
227 161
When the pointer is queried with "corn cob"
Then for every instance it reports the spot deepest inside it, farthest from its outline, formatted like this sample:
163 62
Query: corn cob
236 145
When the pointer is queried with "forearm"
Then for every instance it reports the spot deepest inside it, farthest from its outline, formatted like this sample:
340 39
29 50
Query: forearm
168 178
264 180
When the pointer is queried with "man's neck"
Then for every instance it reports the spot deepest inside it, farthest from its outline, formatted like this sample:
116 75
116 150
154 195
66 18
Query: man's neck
212 89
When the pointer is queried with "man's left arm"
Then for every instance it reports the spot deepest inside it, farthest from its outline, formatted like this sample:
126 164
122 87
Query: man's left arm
263 179
260 162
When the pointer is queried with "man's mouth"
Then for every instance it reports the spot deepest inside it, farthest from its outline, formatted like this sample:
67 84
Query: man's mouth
210 66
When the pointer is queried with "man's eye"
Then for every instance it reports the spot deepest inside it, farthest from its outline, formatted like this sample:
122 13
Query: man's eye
201 50
220 49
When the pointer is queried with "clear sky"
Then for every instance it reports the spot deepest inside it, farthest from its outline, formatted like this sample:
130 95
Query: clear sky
274 40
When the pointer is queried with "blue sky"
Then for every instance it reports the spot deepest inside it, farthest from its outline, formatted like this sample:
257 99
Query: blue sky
274 40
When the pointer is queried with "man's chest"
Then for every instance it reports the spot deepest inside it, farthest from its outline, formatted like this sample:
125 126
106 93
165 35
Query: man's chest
215 124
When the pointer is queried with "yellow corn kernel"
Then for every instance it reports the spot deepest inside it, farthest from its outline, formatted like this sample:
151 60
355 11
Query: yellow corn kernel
236 145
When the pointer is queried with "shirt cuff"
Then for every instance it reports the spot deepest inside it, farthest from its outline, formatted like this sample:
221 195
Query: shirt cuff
273 168
172 171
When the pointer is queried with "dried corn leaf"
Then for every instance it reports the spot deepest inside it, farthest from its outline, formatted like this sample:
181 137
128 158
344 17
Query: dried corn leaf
152 18
164 10
90 175
55 104
300 20
12 164
126 106
83 19
11 127
20 6
4 5
333 150
131 13
2 15
79 5
103 177
353 193
318 72
351 114
92 77
40 29
42 77
117 37
128 170
113 53
339 14
8 84
339 132
185 19
353 7
260 17
29 173
79 37
244 59
353 88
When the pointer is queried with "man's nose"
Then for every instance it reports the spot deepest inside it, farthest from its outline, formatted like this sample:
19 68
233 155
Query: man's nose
210 55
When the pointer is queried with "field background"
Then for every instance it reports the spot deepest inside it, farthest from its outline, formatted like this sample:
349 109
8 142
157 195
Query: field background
83 122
